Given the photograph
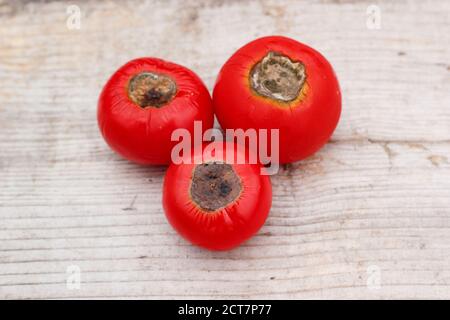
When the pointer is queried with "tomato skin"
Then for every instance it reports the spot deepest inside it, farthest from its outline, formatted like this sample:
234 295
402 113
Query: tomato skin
143 135
224 228
305 124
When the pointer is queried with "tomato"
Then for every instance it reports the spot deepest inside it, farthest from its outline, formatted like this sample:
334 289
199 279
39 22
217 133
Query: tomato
278 83
216 203
144 101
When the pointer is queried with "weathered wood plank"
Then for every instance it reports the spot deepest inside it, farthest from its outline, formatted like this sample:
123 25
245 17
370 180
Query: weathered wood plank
377 195
334 215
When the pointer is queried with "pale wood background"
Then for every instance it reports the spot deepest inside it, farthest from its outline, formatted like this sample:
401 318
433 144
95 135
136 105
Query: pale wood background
377 195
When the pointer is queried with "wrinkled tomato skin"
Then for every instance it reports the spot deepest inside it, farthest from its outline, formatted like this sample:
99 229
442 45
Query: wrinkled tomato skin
143 135
305 124
225 228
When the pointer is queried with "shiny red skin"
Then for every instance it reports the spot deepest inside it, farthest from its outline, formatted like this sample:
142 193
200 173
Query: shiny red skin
143 135
224 228
305 124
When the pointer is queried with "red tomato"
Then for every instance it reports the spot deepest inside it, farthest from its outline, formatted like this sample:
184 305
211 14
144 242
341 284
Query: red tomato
279 83
214 202
144 101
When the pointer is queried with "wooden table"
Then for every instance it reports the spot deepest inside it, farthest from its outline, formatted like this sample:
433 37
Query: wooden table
366 217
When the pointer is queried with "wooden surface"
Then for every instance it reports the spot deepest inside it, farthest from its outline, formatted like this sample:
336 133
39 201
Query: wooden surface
373 204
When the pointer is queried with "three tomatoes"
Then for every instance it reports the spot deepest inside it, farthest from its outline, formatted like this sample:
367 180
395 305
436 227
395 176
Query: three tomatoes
270 83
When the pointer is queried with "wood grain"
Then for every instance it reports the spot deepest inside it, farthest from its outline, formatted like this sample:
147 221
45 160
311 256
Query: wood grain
377 195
